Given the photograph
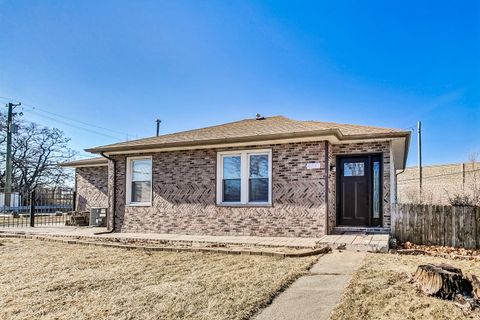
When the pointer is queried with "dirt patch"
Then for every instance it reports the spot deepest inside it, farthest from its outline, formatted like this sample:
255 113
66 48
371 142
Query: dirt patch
380 290
48 280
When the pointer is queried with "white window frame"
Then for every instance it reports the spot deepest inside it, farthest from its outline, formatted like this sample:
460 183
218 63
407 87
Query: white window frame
244 176
128 183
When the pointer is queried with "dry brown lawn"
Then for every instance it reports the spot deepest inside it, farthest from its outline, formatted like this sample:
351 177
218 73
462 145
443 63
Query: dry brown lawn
380 290
48 280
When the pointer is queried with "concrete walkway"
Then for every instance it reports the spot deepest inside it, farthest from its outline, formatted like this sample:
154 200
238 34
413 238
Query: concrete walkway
92 233
353 242
316 294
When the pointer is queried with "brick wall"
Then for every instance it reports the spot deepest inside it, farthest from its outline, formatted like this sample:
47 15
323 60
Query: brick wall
184 199
184 193
92 187
359 148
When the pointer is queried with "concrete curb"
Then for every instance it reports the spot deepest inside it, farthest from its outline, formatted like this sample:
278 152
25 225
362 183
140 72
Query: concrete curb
100 243
157 241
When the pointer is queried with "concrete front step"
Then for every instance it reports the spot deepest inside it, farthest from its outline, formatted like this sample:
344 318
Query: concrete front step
357 242
358 230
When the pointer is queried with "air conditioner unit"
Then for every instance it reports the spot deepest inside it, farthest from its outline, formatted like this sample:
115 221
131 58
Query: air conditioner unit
98 217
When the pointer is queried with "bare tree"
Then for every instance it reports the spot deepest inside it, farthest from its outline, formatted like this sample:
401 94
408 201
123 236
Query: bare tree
36 152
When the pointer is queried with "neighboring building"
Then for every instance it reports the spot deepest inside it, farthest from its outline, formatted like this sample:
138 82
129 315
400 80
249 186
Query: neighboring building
439 182
267 176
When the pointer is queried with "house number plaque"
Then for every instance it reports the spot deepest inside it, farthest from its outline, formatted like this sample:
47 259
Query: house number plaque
313 165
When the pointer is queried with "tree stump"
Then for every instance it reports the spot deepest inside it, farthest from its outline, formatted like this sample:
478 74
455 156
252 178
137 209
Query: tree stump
442 281
476 287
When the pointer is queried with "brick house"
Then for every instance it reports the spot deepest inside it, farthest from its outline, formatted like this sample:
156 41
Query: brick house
266 176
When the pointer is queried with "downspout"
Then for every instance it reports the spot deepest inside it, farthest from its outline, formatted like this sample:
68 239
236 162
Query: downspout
75 194
396 184
114 202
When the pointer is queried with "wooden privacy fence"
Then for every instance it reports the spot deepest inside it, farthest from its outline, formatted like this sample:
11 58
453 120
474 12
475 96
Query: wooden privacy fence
437 225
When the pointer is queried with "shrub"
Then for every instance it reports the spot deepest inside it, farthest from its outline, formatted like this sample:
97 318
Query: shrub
460 200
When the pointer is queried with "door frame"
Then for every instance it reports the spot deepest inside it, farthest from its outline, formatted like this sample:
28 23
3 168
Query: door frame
370 157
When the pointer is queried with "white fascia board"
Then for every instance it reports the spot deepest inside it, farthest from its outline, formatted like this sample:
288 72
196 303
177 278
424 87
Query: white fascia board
331 138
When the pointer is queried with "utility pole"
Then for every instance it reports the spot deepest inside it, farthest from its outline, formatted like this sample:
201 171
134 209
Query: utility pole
8 165
158 121
419 145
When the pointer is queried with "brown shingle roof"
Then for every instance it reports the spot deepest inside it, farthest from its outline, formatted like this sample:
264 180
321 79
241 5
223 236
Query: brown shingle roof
253 130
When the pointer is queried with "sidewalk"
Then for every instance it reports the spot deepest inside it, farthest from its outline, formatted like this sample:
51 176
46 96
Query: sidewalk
92 233
316 294
353 242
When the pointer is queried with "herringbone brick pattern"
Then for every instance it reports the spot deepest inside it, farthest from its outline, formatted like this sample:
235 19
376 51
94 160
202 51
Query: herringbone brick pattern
184 193
185 190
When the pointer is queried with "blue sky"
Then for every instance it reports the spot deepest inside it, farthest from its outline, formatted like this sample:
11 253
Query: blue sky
121 64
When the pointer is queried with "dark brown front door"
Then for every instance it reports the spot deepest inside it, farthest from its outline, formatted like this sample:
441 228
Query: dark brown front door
354 191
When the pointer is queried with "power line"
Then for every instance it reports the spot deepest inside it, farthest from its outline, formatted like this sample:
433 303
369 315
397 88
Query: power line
33 107
86 129
80 154
74 120
76 126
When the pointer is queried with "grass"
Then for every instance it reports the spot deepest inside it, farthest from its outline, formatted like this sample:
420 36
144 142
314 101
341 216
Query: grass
380 290
48 280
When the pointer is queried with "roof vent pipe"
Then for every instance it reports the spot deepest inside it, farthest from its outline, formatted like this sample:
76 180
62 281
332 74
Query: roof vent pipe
158 121
259 117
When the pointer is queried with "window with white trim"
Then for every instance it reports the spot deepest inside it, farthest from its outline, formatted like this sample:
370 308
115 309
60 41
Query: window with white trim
139 181
244 177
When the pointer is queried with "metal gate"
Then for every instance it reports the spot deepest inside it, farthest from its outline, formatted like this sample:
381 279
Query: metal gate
39 207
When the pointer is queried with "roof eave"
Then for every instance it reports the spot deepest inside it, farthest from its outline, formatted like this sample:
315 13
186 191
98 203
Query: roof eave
257 138
80 164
